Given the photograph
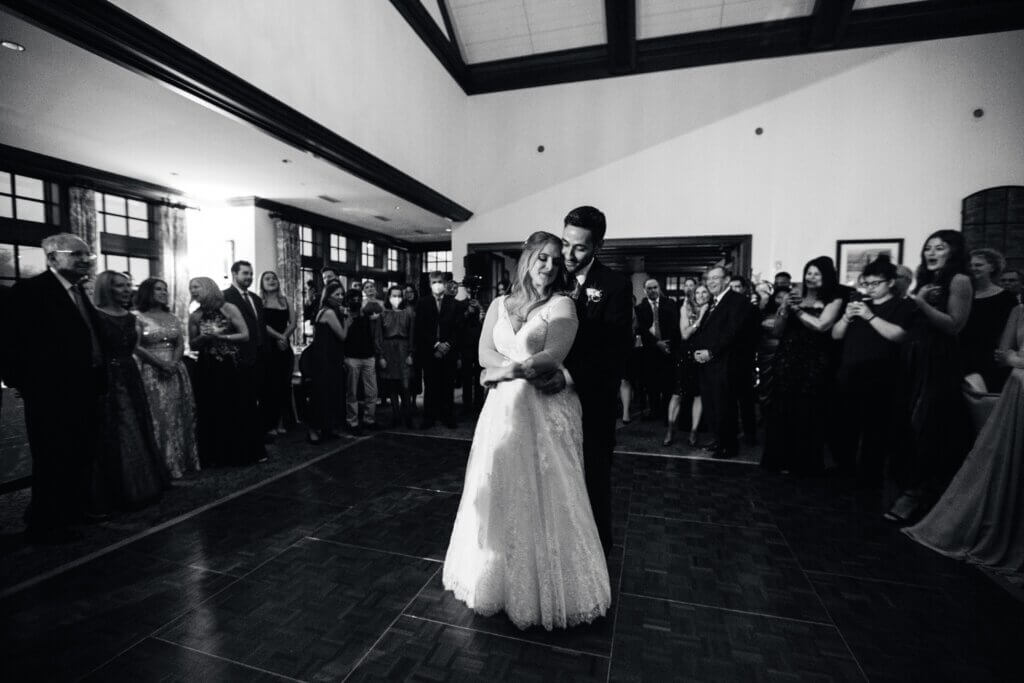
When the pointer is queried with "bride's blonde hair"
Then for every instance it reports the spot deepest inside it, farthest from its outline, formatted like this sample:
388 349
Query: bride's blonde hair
524 297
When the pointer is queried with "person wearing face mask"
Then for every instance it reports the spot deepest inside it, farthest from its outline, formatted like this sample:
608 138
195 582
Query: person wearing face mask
435 334
396 356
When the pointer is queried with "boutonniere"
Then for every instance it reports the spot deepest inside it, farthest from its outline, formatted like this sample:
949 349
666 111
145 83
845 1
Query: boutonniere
594 295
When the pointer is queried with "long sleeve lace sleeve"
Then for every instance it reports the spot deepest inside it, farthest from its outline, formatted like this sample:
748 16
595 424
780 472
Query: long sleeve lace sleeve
490 357
561 332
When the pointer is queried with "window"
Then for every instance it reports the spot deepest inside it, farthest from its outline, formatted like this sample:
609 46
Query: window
305 241
136 267
19 261
369 252
438 260
392 260
121 216
29 199
339 248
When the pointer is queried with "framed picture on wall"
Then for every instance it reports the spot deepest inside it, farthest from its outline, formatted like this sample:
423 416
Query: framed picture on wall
853 255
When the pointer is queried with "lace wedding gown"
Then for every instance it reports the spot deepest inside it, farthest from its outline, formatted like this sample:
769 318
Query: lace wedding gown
524 539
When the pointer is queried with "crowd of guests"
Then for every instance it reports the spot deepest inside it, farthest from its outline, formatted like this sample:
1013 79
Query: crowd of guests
868 381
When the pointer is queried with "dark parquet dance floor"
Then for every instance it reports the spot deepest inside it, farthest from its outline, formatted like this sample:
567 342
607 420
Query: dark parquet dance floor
720 572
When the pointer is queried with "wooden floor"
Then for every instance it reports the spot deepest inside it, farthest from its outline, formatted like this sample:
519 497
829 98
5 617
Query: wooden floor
720 572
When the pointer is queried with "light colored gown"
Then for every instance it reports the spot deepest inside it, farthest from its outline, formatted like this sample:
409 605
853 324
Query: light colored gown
980 517
524 539
170 397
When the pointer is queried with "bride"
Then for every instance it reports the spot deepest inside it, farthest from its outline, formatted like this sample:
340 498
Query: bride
524 539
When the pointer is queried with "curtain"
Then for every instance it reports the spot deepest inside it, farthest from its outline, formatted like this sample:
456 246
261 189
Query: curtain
82 212
173 266
289 268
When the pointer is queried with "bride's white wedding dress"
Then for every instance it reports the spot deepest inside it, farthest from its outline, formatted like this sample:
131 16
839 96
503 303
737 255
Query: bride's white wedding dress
524 539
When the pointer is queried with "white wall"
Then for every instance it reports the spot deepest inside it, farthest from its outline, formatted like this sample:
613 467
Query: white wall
858 144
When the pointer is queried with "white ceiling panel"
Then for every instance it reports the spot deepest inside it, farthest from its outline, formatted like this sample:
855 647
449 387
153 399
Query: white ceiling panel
565 39
548 15
743 12
871 4
489 20
677 21
503 48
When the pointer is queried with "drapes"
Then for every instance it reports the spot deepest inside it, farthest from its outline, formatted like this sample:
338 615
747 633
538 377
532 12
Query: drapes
82 213
172 237
289 268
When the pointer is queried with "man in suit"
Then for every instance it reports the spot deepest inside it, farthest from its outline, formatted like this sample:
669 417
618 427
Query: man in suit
658 323
716 344
1012 281
434 335
596 361
56 363
470 326
250 353
745 360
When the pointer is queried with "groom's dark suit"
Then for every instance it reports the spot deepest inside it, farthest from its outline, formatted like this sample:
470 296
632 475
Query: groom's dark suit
720 333
596 363
53 363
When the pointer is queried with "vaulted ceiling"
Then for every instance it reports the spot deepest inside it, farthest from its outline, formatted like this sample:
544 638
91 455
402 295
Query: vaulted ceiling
494 45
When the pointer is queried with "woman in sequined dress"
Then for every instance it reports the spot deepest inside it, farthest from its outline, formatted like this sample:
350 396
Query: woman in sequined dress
165 378
228 422
128 472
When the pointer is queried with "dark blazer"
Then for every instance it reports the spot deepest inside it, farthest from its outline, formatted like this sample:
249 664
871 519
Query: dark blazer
668 318
5 342
605 335
249 352
50 348
434 326
722 330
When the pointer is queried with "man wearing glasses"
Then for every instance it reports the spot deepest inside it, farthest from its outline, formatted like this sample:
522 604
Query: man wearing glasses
56 363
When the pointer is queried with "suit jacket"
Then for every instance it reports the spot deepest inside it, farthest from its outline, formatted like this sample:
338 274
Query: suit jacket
249 352
50 348
668 319
469 329
433 326
605 335
722 330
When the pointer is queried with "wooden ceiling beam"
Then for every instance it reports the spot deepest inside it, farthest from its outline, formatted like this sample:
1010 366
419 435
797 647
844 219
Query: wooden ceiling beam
829 20
620 20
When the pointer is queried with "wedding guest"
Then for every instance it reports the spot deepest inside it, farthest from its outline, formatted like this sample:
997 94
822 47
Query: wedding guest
328 275
1013 282
715 343
904 279
55 361
989 312
470 318
745 360
794 421
227 415
165 379
279 360
940 430
396 356
435 334
633 369
129 471
251 351
362 354
327 362
658 325
980 518
370 293
687 379
416 373
870 390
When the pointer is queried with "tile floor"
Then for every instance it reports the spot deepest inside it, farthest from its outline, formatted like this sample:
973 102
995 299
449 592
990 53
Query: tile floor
720 573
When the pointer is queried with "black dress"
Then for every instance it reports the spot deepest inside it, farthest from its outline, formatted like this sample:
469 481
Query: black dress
129 472
795 418
280 364
980 338
327 370
228 429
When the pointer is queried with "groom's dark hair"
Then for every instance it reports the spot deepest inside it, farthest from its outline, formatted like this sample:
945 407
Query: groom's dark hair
588 218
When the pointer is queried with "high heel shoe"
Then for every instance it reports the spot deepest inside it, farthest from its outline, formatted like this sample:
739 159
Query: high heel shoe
667 441
693 439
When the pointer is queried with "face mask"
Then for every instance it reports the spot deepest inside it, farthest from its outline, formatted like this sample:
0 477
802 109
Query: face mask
396 301
437 288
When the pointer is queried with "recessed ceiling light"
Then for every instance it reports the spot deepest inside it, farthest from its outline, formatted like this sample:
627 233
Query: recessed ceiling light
447 229
174 173
398 208
286 161
11 45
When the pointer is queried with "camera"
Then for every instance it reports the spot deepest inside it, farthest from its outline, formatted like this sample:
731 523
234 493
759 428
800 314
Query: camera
473 284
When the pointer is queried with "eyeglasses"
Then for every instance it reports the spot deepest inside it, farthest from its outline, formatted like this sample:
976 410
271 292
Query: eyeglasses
871 284
76 254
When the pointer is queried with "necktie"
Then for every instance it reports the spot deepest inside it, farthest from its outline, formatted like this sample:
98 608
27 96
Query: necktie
83 310
248 300
657 323
577 289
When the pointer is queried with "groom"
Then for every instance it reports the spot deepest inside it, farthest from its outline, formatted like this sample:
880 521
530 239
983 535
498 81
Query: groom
595 363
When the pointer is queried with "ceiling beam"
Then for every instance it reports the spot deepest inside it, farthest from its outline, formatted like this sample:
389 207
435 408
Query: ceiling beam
108 31
446 51
620 19
828 22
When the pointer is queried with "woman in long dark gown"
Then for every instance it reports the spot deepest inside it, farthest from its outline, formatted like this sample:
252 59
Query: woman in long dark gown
327 364
939 425
129 473
795 422
228 428
276 399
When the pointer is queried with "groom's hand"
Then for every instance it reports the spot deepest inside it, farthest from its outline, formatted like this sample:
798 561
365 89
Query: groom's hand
551 383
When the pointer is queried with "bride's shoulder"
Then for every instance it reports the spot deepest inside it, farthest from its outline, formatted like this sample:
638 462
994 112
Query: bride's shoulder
561 306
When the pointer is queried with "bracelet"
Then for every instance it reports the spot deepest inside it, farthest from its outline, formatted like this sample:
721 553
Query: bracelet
871 318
